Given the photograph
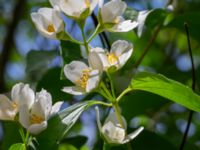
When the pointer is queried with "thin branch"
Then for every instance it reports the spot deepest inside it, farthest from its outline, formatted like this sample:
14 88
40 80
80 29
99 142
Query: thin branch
147 48
193 88
103 36
8 42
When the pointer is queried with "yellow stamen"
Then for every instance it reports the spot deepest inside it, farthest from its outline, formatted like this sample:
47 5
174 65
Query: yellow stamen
50 28
14 105
36 119
112 58
82 82
116 20
87 3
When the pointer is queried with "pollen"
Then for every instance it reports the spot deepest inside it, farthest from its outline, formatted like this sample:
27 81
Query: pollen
50 28
87 3
36 119
112 58
14 105
116 20
82 82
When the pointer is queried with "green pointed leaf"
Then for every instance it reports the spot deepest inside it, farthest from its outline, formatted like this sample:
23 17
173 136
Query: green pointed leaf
60 124
18 146
167 88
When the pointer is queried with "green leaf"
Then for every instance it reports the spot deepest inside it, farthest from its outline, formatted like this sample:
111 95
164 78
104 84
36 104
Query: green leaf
37 60
52 83
18 146
60 124
77 141
167 88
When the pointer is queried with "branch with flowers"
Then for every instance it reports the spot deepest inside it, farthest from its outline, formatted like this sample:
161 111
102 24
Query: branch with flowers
39 119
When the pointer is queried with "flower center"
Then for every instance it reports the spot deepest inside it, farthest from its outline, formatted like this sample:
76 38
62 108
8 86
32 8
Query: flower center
112 58
116 20
14 105
87 3
36 119
50 28
82 82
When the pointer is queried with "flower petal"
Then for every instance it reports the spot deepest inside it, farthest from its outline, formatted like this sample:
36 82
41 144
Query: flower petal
56 107
124 26
43 104
22 94
37 128
95 60
73 71
72 8
93 4
74 90
98 118
7 111
24 116
112 9
93 80
133 135
57 20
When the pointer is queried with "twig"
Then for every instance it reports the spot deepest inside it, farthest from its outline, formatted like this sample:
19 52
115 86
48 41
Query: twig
193 87
8 42
147 48
103 36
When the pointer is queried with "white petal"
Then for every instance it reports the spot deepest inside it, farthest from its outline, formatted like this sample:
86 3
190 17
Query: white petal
72 7
93 4
98 119
73 71
124 26
93 80
54 2
74 90
101 3
114 134
57 21
43 104
37 128
24 116
22 94
133 135
56 107
112 118
112 9
141 21
7 111
123 50
47 13
94 59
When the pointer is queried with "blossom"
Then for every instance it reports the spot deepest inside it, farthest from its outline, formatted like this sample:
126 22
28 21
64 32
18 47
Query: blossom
48 22
85 78
21 94
120 52
35 118
76 9
111 18
113 132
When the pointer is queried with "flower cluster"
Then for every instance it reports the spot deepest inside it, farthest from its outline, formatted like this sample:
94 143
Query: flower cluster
30 109
33 110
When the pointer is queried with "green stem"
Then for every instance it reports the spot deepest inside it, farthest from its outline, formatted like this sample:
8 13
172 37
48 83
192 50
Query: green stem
107 92
123 93
97 31
118 114
112 85
100 103
84 40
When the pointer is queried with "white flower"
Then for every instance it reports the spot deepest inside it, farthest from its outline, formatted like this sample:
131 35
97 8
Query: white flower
112 131
111 17
120 52
77 9
84 78
48 22
35 118
21 94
